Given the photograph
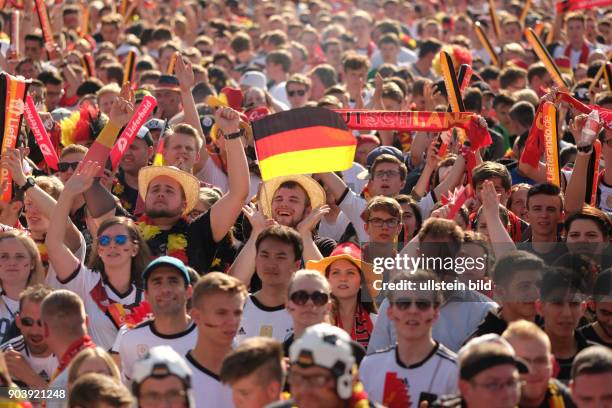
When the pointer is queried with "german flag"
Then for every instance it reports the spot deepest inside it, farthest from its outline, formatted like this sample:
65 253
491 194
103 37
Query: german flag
303 141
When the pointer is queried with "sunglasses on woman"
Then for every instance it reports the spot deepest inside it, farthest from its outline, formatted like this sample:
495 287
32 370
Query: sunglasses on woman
421 304
29 322
300 297
105 240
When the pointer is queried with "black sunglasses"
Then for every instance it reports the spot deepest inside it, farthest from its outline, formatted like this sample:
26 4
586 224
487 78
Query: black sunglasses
29 322
299 92
65 166
300 297
421 304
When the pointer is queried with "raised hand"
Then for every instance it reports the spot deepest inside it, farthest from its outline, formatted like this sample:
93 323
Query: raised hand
228 120
256 218
123 107
490 200
13 160
184 73
82 179
308 223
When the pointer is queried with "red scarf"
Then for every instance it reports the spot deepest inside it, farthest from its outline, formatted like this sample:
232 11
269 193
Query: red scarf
584 53
362 325
74 349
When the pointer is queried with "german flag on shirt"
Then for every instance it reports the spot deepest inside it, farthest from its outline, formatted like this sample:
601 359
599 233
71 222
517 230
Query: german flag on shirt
303 141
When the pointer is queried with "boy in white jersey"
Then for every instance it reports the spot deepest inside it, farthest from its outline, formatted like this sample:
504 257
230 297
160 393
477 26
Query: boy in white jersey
417 368
278 257
167 289
218 301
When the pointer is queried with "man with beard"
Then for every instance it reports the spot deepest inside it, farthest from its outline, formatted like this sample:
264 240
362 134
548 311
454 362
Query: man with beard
517 277
167 288
218 301
600 331
137 156
169 194
28 357
539 388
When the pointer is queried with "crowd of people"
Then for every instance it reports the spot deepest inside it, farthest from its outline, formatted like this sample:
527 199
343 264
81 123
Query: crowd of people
176 275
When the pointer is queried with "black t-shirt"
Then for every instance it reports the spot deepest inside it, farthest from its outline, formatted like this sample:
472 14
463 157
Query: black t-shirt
549 257
201 247
590 334
126 194
565 364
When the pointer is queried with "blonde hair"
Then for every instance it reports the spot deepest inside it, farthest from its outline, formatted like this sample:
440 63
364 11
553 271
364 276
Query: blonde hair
77 362
309 274
37 273
524 330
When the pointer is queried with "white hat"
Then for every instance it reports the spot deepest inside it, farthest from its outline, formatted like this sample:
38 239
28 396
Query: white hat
330 347
254 79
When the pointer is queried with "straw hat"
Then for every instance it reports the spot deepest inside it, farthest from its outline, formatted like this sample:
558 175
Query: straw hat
313 189
189 183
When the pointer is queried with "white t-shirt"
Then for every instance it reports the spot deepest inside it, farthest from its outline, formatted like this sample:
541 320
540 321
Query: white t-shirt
260 320
133 344
43 366
8 309
574 54
212 174
60 383
336 229
436 374
97 295
279 92
207 388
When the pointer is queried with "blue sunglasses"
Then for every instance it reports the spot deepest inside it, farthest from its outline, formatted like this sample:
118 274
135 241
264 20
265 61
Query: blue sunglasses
105 240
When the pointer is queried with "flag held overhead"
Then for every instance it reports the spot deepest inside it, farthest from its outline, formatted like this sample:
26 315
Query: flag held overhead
303 141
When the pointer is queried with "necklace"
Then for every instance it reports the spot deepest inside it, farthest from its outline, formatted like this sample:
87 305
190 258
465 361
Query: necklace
176 245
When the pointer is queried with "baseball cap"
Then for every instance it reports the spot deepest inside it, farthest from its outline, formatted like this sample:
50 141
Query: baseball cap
145 135
166 261
254 79
155 124
393 151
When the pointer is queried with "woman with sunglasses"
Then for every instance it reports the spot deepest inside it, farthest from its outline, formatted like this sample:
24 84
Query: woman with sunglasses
110 285
20 267
353 308
308 303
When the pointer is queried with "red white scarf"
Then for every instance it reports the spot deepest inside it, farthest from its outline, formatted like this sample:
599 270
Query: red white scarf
74 349
362 325
584 52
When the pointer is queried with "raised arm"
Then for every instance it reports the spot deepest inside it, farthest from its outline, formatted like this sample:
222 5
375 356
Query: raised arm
63 261
243 266
224 212
454 178
305 227
422 185
498 235
576 188
184 73
99 200
45 203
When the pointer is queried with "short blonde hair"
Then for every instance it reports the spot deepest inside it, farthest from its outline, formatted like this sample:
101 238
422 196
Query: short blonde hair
309 274
109 88
524 330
